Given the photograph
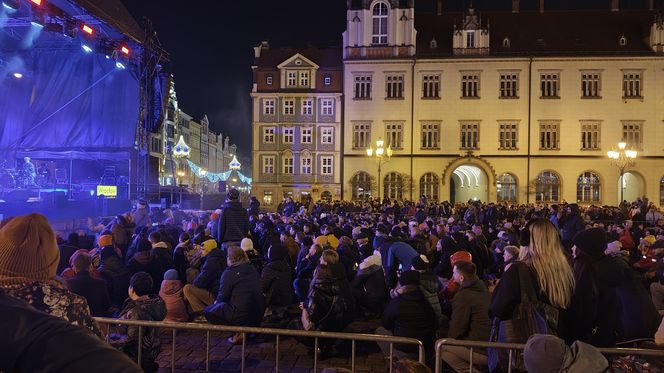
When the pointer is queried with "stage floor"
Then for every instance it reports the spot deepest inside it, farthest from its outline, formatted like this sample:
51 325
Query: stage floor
61 209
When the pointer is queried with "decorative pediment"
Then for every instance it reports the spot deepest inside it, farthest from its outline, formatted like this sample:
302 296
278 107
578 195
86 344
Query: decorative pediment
298 61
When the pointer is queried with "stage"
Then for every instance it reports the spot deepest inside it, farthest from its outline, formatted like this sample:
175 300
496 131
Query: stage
61 208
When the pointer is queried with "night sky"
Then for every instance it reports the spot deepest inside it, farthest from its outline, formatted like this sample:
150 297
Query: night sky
211 43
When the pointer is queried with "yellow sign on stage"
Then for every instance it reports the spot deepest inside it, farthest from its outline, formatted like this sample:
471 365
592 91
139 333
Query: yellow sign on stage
108 191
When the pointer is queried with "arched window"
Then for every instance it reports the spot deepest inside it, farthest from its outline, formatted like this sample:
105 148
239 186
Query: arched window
361 185
661 191
429 186
305 163
547 187
587 187
379 24
506 188
393 186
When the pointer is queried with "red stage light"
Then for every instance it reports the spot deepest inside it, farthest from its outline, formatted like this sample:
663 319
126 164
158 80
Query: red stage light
87 29
37 2
124 50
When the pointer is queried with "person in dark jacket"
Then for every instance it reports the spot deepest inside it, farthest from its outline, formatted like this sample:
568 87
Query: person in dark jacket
349 256
397 253
305 271
203 289
276 283
368 286
571 224
116 275
144 261
289 207
240 300
429 285
182 255
161 252
233 223
123 228
67 249
93 290
254 206
470 317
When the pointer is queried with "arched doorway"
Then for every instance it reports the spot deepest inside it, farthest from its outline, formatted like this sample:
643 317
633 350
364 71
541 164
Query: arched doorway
469 182
631 187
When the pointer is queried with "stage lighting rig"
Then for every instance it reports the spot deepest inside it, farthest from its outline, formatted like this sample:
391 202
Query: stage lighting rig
36 2
38 19
11 4
87 29
124 50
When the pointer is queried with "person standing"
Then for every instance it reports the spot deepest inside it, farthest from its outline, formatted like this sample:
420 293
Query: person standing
233 222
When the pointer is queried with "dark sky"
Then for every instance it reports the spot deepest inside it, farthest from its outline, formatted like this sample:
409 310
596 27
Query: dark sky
210 42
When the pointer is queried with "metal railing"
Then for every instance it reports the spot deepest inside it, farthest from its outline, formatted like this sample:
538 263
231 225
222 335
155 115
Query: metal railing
516 347
208 328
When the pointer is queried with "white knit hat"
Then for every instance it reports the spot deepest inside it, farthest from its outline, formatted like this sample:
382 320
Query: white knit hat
247 244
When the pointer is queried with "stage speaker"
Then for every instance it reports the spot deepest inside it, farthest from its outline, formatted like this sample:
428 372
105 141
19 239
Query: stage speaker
18 195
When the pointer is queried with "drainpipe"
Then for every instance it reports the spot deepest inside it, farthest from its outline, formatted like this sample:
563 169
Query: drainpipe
530 97
341 136
412 124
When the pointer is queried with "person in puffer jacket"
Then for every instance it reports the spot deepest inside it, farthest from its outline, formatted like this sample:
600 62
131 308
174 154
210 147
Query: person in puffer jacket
171 293
368 286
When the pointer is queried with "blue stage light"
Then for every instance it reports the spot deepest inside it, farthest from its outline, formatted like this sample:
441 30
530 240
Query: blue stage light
92 193
11 4
18 75
120 65
86 48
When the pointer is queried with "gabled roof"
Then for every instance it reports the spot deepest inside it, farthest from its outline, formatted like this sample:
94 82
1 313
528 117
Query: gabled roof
324 58
295 57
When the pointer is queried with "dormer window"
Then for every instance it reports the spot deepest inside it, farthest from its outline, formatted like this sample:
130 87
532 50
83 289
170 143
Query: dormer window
433 44
327 80
470 39
622 41
379 24
506 43
268 80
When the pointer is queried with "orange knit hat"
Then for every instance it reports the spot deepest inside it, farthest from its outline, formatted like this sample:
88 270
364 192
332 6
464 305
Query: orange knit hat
105 240
28 250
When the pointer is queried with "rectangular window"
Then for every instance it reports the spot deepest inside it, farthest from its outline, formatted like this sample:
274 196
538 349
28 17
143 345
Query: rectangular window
470 39
549 85
470 135
327 80
509 85
307 107
267 198
632 84
590 84
361 135
305 168
291 79
268 165
268 80
327 134
430 135
632 134
394 86
288 165
470 85
288 135
507 135
268 106
327 107
549 135
590 134
304 79
362 87
268 135
327 165
394 135
431 86
306 135
289 107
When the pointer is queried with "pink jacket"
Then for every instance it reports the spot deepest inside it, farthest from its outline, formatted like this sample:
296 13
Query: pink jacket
171 293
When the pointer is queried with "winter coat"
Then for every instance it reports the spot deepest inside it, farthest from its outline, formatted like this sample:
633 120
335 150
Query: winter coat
233 223
410 315
122 232
93 290
164 257
637 317
349 257
277 283
571 225
254 207
211 270
144 261
146 308
240 300
470 312
142 218
397 253
171 293
289 209
430 287
370 281
116 275
327 307
181 255
66 251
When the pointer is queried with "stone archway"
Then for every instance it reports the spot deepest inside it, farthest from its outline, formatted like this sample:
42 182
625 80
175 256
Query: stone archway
459 171
632 186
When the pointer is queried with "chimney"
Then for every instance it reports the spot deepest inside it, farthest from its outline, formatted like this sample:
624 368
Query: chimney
439 7
515 6
541 8
615 5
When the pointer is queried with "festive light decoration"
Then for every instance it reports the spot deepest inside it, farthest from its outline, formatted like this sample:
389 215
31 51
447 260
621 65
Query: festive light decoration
216 177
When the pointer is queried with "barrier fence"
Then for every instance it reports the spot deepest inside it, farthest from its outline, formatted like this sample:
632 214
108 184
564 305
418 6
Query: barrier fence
517 348
208 329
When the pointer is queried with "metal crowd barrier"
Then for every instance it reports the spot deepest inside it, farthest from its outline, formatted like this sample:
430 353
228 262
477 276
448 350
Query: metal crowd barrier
208 328
516 347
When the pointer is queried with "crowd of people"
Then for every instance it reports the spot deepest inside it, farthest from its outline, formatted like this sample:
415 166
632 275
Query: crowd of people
426 270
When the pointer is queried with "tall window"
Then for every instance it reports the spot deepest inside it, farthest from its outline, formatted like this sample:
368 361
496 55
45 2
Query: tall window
632 84
590 134
550 85
431 86
508 135
305 164
393 186
327 135
268 80
268 135
361 185
291 78
289 133
394 86
363 86
588 187
470 135
327 163
289 107
268 106
361 135
506 188
509 85
590 84
327 107
547 187
394 135
379 24
268 165
632 134
470 85
470 39
304 78
306 135
307 107
429 186
288 164
430 135
549 135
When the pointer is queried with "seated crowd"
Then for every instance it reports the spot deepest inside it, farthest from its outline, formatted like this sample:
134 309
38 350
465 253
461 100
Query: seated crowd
426 270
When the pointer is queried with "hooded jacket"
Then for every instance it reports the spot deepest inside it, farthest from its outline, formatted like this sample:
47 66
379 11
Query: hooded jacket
144 261
277 280
240 300
327 307
146 308
116 275
470 312
211 270
549 354
171 293
233 223
410 315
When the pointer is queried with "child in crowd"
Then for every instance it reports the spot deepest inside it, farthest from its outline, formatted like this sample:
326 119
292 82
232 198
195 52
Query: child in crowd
171 293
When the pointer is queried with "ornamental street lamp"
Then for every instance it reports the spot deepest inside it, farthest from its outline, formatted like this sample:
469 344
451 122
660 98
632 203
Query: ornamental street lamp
381 154
181 151
623 158
181 175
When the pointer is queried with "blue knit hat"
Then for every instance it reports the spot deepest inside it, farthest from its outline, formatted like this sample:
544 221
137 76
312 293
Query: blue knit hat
171 274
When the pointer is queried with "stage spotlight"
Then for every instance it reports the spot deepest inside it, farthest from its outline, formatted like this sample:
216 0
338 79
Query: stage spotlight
11 4
36 2
120 65
86 48
18 75
87 29
124 50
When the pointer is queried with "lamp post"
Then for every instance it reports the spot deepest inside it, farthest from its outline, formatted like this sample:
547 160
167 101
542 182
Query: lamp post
181 151
622 158
181 175
381 154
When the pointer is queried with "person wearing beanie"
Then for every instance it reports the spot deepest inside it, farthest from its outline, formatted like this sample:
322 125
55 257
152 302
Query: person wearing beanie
277 284
145 261
204 287
549 354
171 293
254 256
70 272
233 224
116 275
29 258
142 305
93 290
368 287
429 285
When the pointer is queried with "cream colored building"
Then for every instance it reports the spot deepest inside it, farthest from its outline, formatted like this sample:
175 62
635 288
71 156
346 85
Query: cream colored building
514 106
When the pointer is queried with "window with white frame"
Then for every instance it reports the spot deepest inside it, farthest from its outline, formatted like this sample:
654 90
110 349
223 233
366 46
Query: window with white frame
590 134
268 106
305 164
431 86
327 164
306 135
268 135
379 35
327 80
288 164
549 135
509 85
394 86
307 106
470 84
268 80
550 85
506 188
588 187
632 134
547 187
430 135
429 186
590 84
327 106
291 79
361 135
362 87
470 135
394 135
304 78
268 164
470 39
632 84
289 107
267 197
289 133
327 135
508 132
